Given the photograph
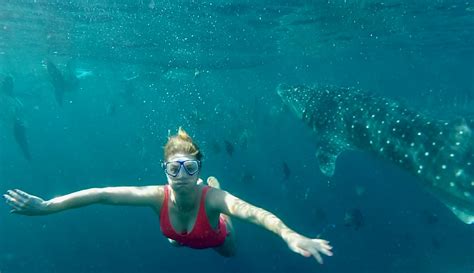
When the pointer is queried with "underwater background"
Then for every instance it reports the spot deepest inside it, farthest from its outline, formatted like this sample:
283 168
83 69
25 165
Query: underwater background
143 68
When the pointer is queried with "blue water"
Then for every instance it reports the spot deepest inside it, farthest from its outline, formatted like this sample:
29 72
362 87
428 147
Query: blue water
147 67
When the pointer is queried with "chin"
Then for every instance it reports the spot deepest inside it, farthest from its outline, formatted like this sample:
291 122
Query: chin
179 185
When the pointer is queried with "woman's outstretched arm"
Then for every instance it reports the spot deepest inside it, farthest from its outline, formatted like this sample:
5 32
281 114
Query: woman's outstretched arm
27 204
233 206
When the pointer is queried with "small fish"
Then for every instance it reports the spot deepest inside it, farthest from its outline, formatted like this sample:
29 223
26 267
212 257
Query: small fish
435 243
248 177
215 146
229 147
428 217
319 215
286 171
354 218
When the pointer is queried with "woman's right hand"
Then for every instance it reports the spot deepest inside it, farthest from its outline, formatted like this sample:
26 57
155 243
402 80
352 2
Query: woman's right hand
24 203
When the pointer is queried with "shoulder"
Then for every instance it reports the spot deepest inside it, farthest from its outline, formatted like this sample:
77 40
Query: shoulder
216 198
155 194
155 191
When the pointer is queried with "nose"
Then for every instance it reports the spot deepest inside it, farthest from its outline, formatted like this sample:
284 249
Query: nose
181 172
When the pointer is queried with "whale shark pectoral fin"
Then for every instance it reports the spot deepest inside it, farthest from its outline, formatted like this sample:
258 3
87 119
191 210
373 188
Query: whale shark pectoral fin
327 155
462 215
326 161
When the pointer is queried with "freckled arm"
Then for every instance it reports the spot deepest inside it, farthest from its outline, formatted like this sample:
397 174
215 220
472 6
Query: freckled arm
298 243
238 208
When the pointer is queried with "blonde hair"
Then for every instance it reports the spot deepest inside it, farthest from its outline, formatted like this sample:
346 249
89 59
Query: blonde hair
181 143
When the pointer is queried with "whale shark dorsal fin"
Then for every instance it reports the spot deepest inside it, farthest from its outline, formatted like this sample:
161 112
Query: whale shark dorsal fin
327 155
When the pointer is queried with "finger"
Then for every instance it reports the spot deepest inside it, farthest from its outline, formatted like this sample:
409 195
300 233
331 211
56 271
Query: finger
5 196
22 193
326 252
16 196
14 206
326 246
9 199
302 252
322 243
317 256
14 202
16 211
305 253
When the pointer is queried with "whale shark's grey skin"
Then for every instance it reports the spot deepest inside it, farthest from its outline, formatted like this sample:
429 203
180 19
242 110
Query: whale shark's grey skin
440 153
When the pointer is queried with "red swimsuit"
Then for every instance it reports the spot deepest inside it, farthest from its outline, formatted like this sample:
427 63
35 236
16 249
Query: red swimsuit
202 235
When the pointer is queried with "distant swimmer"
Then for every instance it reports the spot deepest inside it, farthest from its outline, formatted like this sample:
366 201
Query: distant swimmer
11 110
191 213
62 83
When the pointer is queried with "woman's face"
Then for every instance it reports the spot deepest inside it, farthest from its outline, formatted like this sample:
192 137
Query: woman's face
182 170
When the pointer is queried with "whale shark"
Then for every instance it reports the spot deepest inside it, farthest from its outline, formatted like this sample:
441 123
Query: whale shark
440 153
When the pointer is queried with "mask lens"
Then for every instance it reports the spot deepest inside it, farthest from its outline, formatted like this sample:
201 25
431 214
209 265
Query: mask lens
172 168
191 166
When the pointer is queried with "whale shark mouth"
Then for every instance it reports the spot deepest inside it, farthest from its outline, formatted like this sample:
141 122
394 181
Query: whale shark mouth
439 153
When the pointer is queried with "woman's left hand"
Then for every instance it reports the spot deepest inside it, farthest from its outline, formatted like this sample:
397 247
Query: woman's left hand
309 247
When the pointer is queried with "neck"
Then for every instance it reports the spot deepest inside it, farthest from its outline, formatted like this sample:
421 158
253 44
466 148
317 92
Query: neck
184 200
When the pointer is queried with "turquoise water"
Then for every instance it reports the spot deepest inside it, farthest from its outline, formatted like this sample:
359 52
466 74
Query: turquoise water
136 70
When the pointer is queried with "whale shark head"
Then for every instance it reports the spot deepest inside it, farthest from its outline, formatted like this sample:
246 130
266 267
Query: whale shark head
295 97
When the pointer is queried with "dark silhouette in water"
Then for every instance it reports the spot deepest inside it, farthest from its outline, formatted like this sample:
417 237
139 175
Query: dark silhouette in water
12 107
248 177
19 132
7 86
229 147
286 171
215 146
61 83
318 215
129 93
354 218
435 243
428 217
